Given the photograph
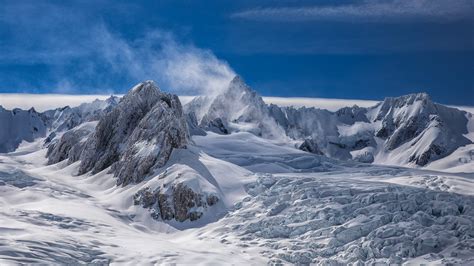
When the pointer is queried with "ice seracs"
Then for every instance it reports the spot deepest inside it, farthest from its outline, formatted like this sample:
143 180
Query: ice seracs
159 184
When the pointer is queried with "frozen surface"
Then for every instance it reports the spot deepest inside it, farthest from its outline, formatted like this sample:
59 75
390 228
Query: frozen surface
239 193
303 213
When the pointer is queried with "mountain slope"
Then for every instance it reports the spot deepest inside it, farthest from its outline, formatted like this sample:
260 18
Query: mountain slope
236 108
410 130
155 187
426 130
19 125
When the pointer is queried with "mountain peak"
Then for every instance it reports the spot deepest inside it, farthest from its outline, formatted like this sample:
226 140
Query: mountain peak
144 88
238 90
408 99
237 80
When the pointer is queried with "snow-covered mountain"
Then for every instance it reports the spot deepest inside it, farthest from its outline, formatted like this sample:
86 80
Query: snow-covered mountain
236 108
407 130
19 125
227 178
65 118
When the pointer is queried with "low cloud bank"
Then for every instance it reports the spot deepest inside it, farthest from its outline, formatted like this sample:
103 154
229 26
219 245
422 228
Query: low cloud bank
43 102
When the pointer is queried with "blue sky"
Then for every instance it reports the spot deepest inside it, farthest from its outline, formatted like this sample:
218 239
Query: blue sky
366 49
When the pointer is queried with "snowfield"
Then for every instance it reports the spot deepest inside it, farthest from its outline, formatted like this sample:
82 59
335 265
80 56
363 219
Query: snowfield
229 179
338 213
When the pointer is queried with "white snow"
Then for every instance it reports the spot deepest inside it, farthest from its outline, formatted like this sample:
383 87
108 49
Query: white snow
277 204
344 213
43 102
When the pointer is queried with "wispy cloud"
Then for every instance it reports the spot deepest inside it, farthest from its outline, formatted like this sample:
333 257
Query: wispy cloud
392 11
157 55
82 51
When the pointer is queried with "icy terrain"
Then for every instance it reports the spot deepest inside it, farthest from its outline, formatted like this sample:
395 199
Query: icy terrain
140 181
409 130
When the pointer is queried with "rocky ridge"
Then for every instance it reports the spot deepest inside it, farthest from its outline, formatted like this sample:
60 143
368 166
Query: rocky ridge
406 130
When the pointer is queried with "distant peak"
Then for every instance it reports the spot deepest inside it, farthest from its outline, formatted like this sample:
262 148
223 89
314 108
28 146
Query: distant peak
407 99
238 84
144 88
112 99
237 80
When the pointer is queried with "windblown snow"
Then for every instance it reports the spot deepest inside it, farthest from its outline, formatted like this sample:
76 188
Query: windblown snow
228 179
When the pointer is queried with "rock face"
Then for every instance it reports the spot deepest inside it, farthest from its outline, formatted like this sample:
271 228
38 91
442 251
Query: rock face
238 102
136 135
71 144
131 136
237 108
180 193
65 118
193 125
19 125
181 204
215 125
431 130
410 129
310 146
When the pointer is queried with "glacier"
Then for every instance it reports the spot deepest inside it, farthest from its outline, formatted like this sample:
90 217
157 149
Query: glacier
229 179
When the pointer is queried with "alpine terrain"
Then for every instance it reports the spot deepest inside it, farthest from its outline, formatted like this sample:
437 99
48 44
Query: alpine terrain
230 179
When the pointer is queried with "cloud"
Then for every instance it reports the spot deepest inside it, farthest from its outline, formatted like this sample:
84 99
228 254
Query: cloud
81 52
391 11
43 102
157 55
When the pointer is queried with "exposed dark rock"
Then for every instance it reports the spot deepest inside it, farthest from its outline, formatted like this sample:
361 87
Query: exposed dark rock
70 145
433 151
215 125
340 145
349 115
179 202
193 126
311 146
136 135
19 125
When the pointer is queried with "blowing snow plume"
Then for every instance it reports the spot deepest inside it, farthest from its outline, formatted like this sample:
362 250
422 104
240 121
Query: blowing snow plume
157 55
90 57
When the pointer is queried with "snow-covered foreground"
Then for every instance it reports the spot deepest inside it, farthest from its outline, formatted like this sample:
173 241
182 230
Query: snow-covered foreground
48 215
279 204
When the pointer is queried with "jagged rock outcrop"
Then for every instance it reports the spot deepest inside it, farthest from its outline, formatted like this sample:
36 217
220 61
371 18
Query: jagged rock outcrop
136 135
193 126
71 144
181 193
350 115
238 102
178 203
412 127
310 146
236 108
364 157
426 130
215 125
19 125
65 118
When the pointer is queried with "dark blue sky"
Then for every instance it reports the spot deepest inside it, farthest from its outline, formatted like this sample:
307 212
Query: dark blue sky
337 49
